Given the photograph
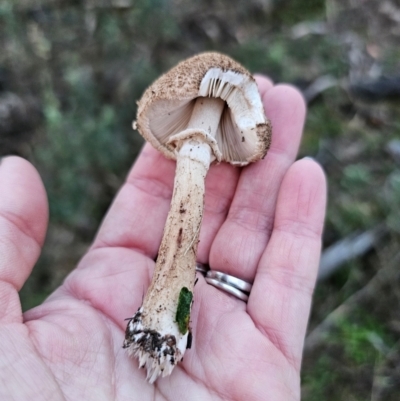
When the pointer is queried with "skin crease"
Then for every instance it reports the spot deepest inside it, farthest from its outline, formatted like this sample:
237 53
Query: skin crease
262 223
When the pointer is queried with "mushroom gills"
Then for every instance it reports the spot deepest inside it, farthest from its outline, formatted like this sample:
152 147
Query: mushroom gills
236 136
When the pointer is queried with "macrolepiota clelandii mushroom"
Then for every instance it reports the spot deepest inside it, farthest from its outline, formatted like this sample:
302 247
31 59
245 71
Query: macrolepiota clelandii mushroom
206 109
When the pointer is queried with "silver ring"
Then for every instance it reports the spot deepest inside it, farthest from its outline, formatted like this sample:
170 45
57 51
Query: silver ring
230 284
227 288
230 280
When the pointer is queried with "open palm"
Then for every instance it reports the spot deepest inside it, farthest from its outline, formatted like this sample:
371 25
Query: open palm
262 224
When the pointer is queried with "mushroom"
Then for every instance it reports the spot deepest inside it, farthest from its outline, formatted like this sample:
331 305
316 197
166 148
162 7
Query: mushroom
206 109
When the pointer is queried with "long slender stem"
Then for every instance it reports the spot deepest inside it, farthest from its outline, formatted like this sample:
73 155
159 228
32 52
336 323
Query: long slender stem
158 334
175 267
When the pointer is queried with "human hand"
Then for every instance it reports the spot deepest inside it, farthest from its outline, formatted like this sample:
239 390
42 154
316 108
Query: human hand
262 224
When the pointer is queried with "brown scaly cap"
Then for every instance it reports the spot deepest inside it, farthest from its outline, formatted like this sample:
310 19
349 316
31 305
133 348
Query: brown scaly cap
264 134
180 86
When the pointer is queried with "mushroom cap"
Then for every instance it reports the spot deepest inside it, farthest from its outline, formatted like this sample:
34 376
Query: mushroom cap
244 132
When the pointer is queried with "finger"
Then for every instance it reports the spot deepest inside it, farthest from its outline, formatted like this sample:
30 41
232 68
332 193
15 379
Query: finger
281 295
264 83
220 187
242 238
23 222
137 217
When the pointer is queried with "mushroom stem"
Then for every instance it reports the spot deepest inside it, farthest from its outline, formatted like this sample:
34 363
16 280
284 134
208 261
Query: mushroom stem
158 333
206 114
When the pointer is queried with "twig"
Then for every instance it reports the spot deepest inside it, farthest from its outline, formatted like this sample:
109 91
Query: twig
320 85
349 248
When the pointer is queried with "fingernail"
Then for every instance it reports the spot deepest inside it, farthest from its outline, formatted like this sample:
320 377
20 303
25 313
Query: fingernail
308 158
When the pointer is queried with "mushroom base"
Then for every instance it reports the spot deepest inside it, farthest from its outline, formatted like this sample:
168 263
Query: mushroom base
156 352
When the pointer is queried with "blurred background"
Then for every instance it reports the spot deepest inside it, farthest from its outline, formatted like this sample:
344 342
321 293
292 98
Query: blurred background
72 70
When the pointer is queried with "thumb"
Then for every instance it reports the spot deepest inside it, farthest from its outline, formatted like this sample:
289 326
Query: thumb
23 223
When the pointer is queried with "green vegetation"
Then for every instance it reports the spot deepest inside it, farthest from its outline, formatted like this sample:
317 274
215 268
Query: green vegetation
354 349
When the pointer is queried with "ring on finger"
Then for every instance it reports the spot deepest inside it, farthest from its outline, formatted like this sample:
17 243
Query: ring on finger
230 284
